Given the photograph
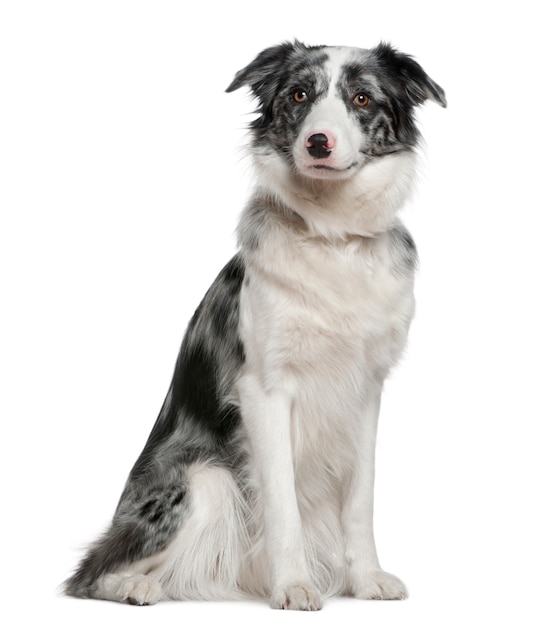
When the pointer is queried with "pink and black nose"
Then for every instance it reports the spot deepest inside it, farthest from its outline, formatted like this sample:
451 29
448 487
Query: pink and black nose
319 145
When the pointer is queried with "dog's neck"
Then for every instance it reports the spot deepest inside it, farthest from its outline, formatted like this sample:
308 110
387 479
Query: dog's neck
364 205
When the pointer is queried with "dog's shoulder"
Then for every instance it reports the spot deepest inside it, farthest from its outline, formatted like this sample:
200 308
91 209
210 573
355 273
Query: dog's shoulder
402 248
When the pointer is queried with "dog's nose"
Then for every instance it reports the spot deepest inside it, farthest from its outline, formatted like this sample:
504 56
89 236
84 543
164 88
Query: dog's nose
319 146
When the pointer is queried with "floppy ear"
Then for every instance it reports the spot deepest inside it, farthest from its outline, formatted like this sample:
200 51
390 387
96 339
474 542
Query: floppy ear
263 77
259 74
415 82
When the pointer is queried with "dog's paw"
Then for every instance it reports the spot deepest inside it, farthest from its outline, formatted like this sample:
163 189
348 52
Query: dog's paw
299 597
140 590
379 585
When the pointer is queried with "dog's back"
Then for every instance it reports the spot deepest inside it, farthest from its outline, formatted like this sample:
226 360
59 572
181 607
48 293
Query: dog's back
258 475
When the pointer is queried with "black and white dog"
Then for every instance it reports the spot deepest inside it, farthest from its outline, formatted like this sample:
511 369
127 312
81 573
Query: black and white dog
257 478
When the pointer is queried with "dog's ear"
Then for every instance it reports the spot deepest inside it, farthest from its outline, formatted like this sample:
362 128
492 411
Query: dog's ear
261 74
415 82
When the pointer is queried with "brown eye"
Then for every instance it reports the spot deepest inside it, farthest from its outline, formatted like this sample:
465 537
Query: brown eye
361 100
300 96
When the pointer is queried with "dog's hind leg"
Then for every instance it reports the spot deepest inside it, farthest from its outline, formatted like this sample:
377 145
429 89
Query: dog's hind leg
146 521
186 541
208 558
138 589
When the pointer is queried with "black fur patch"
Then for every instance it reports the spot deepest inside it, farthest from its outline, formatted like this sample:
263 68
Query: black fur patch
196 393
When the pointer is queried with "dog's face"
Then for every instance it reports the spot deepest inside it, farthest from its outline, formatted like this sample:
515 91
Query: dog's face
327 112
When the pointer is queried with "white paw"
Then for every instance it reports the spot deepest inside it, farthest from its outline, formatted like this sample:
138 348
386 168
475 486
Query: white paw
140 590
378 585
299 597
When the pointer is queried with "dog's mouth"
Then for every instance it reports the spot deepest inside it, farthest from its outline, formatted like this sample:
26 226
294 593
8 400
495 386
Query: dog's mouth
322 166
324 171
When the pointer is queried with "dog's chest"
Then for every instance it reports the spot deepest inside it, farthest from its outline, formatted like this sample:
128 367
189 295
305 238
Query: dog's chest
324 312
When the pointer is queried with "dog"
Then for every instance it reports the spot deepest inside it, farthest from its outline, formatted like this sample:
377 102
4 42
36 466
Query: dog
257 478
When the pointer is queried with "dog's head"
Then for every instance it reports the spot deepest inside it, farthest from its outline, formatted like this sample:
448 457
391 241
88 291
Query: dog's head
330 111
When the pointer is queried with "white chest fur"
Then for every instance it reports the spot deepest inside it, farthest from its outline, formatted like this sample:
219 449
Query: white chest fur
317 309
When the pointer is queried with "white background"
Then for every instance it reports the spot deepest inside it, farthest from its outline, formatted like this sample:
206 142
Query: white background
121 178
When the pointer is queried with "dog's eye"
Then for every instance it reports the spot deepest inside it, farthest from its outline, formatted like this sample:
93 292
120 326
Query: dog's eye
361 100
300 96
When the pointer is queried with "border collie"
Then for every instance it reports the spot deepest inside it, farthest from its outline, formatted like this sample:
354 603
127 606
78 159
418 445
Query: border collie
257 478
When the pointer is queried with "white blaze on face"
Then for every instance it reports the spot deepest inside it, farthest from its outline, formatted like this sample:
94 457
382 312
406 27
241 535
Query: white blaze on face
329 142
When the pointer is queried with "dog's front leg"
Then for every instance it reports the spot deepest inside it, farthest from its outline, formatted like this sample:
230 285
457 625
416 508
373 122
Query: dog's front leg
366 577
267 420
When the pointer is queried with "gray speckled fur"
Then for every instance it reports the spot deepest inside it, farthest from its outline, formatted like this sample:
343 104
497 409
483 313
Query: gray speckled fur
197 423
